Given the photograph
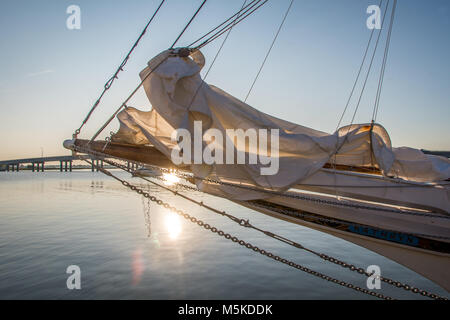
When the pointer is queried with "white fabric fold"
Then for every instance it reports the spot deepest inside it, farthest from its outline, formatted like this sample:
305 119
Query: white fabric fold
179 97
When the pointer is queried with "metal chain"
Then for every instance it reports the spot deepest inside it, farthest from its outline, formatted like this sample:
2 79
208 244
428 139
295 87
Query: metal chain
243 243
246 223
300 197
397 284
351 267
189 177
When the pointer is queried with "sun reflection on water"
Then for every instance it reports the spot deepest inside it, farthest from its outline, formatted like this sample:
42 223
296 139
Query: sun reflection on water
170 179
173 225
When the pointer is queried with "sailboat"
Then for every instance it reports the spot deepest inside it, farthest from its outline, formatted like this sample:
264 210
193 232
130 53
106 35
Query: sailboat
351 184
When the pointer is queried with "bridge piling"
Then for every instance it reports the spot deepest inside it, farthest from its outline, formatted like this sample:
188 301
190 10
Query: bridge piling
38 164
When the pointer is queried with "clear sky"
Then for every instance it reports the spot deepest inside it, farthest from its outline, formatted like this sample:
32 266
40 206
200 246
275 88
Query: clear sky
50 75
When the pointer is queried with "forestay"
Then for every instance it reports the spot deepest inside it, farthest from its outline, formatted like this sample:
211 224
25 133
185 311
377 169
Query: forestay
179 97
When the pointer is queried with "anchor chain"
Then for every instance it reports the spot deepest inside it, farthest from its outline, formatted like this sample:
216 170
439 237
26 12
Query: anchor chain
234 239
246 223
189 177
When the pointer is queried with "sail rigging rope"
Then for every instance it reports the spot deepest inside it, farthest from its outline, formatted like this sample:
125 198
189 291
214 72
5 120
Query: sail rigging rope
109 83
239 13
369 68
213 61
142 81
339 147
188 24
247 11
124 104
358 74
270 49
383 65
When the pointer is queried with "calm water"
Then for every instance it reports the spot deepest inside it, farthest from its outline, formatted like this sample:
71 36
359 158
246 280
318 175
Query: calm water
51 220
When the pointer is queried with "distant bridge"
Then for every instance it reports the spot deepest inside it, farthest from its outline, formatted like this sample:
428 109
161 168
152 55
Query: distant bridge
38 164
65 162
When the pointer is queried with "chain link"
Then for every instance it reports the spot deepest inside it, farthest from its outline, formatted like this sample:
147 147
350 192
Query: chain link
243 243
246 223
301 197
190 177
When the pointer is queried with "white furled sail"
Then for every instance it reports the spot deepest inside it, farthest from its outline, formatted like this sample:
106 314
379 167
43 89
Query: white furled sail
179 97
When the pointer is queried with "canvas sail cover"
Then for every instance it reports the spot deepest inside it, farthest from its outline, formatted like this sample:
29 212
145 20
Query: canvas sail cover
179 98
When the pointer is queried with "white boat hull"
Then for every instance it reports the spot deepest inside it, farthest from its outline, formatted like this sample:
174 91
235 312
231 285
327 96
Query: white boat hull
431 260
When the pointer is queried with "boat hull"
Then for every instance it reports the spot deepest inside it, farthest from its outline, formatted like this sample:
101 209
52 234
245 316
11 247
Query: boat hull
430 258
432 261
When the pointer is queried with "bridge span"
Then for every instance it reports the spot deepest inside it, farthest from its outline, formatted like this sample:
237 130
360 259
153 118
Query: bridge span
38 164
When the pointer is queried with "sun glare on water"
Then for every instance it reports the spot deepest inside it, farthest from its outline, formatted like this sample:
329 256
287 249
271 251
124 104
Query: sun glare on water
173 225
170 179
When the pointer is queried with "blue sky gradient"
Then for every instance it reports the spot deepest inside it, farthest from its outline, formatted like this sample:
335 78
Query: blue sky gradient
50 75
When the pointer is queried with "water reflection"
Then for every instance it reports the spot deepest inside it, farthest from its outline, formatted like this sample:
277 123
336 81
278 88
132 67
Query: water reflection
173 225
43 231
148 222
138 266
170 179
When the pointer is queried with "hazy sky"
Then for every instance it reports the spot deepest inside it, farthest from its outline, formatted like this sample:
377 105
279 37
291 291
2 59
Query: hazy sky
50 75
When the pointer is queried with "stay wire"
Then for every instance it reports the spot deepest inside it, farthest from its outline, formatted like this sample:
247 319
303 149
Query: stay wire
359 73
270 49
142 81
364 85
386 51
109 83
124 104
226 28
187 25
370 67
213 61
252 3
